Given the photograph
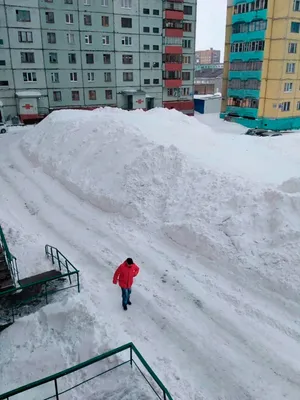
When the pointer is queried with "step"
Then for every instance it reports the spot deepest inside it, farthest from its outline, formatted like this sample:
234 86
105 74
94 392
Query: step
6 285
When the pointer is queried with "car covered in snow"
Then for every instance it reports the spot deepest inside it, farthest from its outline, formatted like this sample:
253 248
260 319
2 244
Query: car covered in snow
262 133
3 128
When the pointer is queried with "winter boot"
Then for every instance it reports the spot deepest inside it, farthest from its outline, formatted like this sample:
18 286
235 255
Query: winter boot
125 308
129 302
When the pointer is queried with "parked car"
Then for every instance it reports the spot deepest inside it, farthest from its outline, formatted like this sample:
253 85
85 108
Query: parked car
3 128
262 133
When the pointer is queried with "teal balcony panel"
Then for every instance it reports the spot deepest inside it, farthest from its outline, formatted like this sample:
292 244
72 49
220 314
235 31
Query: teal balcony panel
244 75
247 56
235 2
242 112
248 36
242 93
250 16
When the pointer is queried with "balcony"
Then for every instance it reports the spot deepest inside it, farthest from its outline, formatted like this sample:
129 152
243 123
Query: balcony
247 56
248 36
250 16
170 32
242 111
244 75
173 50
174 14
242 93
173 83
173 66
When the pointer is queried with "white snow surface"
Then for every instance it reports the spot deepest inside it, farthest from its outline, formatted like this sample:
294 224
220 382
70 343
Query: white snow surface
211 216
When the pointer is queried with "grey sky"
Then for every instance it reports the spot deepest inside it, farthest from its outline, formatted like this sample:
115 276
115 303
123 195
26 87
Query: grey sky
211 19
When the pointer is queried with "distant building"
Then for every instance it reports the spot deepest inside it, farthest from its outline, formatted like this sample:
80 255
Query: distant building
208 81
210 56
89 53
206 104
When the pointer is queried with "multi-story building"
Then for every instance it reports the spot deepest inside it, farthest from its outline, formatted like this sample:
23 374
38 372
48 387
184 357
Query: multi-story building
208 81
90 53
206 57
261 67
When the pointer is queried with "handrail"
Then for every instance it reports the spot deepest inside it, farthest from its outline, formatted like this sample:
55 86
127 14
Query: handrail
57 255
10 258
87 363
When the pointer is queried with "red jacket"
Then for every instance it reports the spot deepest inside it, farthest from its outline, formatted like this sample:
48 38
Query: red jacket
125 274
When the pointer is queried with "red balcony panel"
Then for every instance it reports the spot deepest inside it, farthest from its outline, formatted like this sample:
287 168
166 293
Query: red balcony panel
179 105
173 67
173 32
174 14
173 83
173 50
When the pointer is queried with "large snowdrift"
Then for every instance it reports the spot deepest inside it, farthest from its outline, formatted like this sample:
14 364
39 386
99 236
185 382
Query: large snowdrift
126 163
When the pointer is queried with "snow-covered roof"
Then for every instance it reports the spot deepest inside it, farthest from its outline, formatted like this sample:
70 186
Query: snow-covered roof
207 96
29 93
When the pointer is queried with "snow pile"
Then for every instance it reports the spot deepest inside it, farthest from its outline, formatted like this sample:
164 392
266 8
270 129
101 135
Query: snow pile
126 163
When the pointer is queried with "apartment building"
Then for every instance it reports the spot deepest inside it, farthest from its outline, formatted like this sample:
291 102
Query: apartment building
89 53
261 85
208 57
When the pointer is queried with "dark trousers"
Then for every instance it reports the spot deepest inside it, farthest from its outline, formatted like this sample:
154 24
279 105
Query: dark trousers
125 296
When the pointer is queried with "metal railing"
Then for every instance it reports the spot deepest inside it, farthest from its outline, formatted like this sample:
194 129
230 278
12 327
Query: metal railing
10 258
161 393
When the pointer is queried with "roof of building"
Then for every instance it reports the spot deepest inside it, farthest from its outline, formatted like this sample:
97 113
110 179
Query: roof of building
209 73
207 96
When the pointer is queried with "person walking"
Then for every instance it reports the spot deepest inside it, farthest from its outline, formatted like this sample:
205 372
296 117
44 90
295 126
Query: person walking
125 274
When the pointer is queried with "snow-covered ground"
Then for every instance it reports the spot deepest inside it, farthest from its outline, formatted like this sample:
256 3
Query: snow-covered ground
211 216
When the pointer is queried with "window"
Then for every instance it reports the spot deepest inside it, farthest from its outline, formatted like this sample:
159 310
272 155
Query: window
292 48
127 59
49 17
69 19
285 106
107 76
146 65
146 47
104 3
3 83
187 27
185 91
245 66
155 47
290 67
108 94
126 3
126 40
156 81
172 41
71 38
146 81
72 58
296 6
91 76
127 76
25 37
57 96
188 10
75 95
68 1
155 12
255 45
73 76
54 77
2 62
87 19
29 76
126 22
295 27
155 30
186 76
53 58
186 43
146 11
105 40
1 41
155 65
27 57
23 15
51 37
186 59
288 87
92 95
87 2
88 39
146 29
298 105
106 59
89 58
105 20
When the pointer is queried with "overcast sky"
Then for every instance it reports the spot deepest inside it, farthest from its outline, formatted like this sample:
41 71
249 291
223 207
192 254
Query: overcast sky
211 19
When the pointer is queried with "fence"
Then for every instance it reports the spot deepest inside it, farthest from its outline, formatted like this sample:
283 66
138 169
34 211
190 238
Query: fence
161 393
10 259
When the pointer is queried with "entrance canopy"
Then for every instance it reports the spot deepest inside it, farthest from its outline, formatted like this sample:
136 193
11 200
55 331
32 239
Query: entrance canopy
29 93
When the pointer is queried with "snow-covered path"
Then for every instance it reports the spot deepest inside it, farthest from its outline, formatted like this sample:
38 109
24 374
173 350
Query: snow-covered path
210 331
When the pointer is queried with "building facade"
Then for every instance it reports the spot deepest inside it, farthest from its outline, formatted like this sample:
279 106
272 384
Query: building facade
208 81
261 85
89 53
206 57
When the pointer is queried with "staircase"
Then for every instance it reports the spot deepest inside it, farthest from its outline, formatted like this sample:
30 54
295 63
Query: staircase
6 281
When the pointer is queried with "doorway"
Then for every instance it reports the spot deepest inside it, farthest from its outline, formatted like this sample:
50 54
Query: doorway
150 103
130 102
